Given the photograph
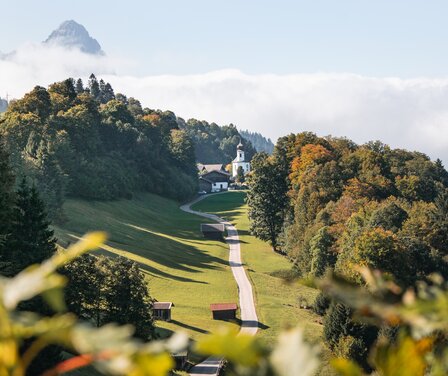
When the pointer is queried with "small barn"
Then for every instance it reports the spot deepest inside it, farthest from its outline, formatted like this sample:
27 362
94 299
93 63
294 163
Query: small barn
181 359
162 310
213 230
205 185
224 311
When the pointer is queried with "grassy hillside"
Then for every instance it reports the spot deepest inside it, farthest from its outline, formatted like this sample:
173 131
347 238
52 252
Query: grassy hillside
191 271
180 265
277 302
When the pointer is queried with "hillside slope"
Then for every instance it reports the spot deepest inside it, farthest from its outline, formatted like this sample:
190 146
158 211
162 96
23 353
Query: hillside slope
180 265
277 302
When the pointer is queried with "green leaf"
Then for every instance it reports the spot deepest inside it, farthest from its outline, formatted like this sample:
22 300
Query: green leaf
293 356
55 299
238 348
345 367
38 279
405 357
28 284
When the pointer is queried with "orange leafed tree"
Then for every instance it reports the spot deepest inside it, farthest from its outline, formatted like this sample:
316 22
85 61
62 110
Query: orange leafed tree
310 155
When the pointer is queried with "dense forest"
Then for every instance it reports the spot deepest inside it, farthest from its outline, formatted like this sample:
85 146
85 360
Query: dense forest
214 143
258 141
88 142
94 292
328 203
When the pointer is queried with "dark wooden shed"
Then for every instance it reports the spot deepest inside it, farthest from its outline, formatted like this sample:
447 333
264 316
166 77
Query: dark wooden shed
162 310
181 359
224 311
213 230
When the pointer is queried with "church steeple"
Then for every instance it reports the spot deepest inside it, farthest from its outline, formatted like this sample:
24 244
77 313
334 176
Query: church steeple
240 160
240 152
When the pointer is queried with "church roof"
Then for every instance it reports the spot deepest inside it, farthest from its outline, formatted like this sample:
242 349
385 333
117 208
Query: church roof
240 146
204 168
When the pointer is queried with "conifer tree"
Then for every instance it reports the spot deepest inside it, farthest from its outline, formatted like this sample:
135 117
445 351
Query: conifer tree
94 87
31 240
79 86
108 93
6 198
51 180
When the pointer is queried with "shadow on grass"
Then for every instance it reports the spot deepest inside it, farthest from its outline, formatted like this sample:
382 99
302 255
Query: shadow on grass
190 327
252 324
156 272
164 250
243 232
246 323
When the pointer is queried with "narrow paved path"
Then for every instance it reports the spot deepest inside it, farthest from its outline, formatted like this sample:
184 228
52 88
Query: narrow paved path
249 317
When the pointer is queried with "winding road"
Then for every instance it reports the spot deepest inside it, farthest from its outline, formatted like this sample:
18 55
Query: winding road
249 317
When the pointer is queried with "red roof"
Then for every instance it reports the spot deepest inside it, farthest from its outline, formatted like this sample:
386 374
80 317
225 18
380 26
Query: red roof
223 307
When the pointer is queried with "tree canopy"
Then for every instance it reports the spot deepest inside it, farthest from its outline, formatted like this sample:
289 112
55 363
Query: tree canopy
88 142
347 206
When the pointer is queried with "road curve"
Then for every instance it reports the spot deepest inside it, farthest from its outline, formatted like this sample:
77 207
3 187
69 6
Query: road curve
249 324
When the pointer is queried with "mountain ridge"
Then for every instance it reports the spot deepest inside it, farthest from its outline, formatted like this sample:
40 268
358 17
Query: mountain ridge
72 34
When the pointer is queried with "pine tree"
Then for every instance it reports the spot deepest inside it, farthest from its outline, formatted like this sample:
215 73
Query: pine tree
51 180
30 241
79 86
102 86
108 93
6 199
94 87
338 325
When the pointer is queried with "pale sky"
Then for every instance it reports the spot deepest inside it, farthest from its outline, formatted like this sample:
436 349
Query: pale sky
400 38
364 69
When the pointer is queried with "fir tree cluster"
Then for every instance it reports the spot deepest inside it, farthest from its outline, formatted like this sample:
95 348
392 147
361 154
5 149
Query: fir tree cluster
100 289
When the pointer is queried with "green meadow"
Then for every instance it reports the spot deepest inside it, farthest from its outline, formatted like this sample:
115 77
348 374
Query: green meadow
277 302
192 272
180 265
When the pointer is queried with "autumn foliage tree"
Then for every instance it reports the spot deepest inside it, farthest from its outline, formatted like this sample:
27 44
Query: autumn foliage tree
349 205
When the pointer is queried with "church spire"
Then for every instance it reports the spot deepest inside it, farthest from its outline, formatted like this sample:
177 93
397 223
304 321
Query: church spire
240 146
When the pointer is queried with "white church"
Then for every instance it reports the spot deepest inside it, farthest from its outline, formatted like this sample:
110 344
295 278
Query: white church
240 161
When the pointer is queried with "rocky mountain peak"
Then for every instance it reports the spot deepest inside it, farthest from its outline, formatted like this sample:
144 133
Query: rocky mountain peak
71 34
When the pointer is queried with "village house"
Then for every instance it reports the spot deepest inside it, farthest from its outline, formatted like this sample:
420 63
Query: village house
213 178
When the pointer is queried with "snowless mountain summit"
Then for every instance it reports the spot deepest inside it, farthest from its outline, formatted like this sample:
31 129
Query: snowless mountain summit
71 34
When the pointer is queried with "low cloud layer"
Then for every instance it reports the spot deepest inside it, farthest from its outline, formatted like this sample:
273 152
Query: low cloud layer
406 113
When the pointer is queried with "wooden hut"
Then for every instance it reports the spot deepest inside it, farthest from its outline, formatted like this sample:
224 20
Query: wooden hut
181 359
224 311
162 310
213 230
